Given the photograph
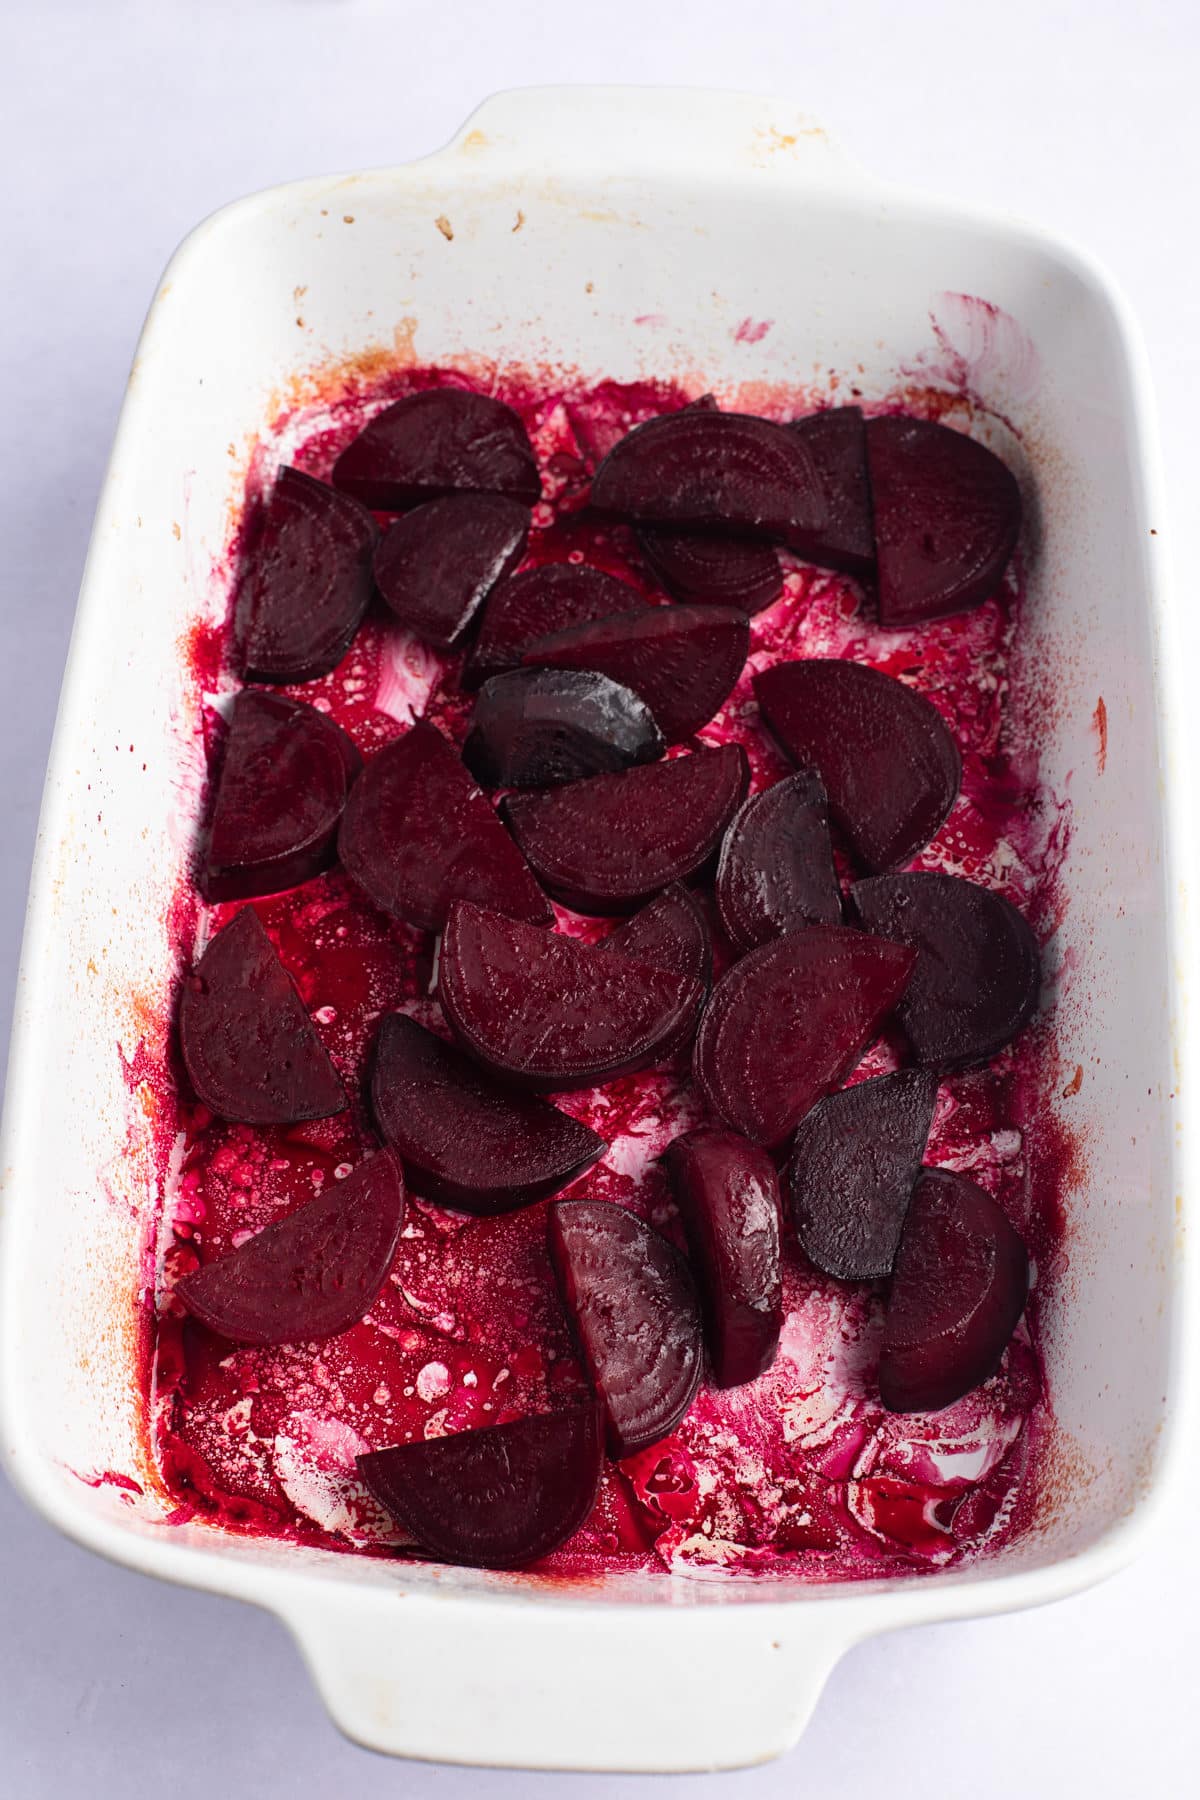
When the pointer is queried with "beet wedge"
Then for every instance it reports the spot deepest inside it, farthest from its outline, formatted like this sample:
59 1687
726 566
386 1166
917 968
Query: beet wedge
545 727
789 1021
417 834
250 1049
884 753
524 607
465 1141
437 564
705 570
442 441
545 1011
960 1286
312 1274
671 932
634 1310
607 845
776 871
497 1498
836 440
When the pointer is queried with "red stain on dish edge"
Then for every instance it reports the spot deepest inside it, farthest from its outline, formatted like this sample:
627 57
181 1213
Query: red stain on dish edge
1100 726
752 331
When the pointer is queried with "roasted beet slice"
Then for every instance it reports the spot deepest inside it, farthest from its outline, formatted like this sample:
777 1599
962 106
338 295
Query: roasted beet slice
467 1142
495 1498
727 1193
960 1286
634 1309
417 834
251 1051
885 754
776 869
305 581
682 660
978 972
606 845
790 1020
704 570
524 607
854 1161
947 519
443 441
549 1012
285 773
671 932
836 440
544 727
312 1274
437 565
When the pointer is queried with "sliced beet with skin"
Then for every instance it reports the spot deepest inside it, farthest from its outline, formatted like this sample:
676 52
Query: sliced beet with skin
853 1164
251 1051
776 870
884 753
978 971
789 1021
524 607
466 1142
633 1306
836 440
960 1286
305 581
442 441
727 1193
496 1498
312 1274
671 932
545 1011
704 570
947 519
437 564
606 845
545 727
417 834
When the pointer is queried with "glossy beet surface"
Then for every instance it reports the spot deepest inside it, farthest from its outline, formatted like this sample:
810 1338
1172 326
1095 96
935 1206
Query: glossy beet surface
305 581
790 1020
546 1011
251 1051
442 441
467 1142
961 1281
285 773
884 753
437 565
525 607
727 1193
853 1164
947 519
671 932
545 727
495 1498
682 660
417 834
312 1274
606 845
978 972
836 440
702 569
776 869
634 1310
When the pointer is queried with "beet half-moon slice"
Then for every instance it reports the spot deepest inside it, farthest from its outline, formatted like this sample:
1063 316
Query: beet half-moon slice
836 440
437 564
545 727
671 932
442 441
701 569
524 607
776 870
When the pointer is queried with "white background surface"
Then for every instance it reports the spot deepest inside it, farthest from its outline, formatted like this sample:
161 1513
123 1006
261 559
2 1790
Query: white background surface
121 125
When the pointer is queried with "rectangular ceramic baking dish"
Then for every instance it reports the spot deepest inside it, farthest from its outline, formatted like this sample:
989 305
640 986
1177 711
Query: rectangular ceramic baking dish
624 233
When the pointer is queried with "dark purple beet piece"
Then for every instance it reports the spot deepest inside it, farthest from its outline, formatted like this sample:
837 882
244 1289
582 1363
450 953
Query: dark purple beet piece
437 565
524 607
960 1286
854 1161
546 1011
789 1021
704 570
634 1309
978 972
671 932
285 773
776 869
606 845
417 834
305 581
884 753
443 441
682 660
727 1193
947 519
545 727
467 1142
836 440
312 1274
251 1051
496 1498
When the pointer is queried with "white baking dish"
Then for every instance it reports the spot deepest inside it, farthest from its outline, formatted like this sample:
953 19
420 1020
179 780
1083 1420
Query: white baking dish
651 225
